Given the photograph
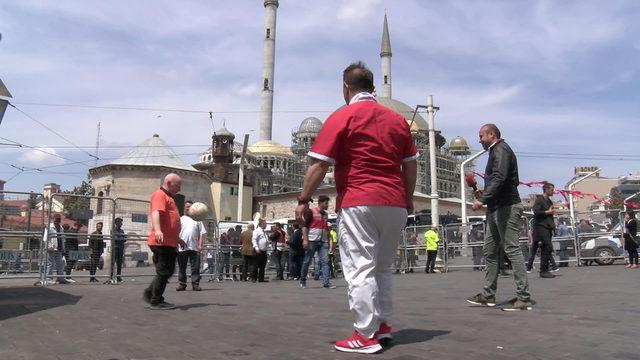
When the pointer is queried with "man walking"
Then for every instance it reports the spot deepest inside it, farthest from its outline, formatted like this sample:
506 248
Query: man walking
374 157
248 254
118 239
431 241
543 226
278 237
163 239
504 212
260 245
55 248
192 233
96 245
315 239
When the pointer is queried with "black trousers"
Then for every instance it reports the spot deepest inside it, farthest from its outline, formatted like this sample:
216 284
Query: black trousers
193 258
632 249
431 260
247 267
543 235
164 258
118 259
260 262
95 261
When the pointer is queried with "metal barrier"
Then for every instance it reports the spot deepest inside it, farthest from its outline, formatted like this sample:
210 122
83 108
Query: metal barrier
22 217
598 236
412 254
463 245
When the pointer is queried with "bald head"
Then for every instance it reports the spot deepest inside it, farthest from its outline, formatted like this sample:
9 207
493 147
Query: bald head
172 183
489 134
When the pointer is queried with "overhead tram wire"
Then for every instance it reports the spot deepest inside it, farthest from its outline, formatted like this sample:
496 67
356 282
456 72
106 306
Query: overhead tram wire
52 131
40 150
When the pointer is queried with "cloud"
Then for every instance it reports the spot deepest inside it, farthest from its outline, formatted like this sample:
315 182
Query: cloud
356 10
42 156
247 90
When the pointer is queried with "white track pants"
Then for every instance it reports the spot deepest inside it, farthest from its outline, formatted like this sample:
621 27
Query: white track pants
368 237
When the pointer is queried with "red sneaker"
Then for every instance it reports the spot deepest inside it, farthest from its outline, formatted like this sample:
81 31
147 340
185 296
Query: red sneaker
358 344
384 332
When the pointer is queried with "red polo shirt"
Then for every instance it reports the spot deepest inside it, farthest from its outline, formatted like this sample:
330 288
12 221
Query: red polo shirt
367 143
169 219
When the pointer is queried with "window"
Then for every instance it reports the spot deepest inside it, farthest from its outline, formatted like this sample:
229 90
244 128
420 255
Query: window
99 206
386 79
232 190
266 84
268 33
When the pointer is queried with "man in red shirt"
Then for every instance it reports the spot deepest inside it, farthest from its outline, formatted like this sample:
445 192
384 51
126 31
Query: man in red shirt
163 239
374 157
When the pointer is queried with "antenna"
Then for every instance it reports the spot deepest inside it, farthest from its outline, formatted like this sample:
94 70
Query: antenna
95 163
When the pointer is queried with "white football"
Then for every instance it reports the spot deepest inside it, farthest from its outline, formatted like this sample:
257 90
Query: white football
198 211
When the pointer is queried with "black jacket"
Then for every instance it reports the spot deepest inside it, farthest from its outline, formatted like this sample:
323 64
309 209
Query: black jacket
540 218
501 177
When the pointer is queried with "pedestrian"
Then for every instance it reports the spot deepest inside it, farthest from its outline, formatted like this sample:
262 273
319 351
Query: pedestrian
234 241
315 240
631 238
296 253
163 239
333 242
248 253
192 232
118 239
504 214
278 238
374 157
260 245
431 241
71 246
476 238
55 249
543 227
96 245
224 258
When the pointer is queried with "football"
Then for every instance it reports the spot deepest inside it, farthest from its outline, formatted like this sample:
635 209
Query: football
198 211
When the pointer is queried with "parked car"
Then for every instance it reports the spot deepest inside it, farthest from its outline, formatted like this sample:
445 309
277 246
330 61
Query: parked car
604 250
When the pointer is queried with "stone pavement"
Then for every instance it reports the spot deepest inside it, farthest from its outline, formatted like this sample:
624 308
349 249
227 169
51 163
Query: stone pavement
586 313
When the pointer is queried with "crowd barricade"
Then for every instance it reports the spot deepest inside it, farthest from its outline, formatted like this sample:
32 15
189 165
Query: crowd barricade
463 245
598 237
411 255
22 219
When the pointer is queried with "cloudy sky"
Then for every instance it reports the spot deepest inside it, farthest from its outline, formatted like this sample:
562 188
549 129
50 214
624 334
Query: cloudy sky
560 78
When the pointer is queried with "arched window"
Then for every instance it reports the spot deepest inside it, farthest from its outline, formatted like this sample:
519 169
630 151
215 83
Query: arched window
100 204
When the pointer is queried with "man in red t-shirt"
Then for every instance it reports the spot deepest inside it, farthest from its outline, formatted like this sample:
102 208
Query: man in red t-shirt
374 157
164 239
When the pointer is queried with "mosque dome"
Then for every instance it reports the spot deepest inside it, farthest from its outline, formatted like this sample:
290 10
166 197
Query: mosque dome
419 123
310 125
459 146
268 147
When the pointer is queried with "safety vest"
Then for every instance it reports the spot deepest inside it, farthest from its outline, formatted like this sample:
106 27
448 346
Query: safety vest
431 240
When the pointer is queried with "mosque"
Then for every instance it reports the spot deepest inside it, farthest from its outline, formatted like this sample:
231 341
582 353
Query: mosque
273 173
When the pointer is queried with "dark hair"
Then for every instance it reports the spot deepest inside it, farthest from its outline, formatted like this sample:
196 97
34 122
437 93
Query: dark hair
99 223
493 129
631 213
547 185
57 216
278 224
323 198
188 202
358 77
117 219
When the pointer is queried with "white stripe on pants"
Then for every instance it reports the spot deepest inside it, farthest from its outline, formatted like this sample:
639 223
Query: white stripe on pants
368 237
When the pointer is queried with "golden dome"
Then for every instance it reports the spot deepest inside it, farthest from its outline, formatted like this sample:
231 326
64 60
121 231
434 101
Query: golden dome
419 123
268 147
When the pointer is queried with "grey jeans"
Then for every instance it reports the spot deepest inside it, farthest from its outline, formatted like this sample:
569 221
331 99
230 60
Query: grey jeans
503 231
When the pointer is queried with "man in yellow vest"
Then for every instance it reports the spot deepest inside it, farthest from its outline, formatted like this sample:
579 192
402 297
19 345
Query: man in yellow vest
333 241
431 243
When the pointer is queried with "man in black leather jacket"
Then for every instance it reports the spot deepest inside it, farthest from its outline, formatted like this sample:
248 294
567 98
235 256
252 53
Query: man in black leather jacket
504 213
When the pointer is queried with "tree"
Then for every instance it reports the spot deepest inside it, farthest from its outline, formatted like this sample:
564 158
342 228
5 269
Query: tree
616 202
78 208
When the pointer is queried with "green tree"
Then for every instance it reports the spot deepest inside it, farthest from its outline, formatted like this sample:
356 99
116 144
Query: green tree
78 208
616 201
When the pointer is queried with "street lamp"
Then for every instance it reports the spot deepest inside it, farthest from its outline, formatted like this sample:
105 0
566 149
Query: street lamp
241 176
570 188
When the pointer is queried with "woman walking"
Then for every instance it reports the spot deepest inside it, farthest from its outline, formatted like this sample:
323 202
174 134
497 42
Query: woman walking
630 238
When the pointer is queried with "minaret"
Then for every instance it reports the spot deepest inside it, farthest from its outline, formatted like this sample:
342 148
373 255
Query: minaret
268 64
385 56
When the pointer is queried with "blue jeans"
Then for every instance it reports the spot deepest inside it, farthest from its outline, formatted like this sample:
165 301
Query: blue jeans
322 248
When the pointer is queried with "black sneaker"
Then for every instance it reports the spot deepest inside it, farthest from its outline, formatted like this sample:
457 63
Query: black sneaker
181 287
329 286
518 305
547 275
196 287
480 299
162 306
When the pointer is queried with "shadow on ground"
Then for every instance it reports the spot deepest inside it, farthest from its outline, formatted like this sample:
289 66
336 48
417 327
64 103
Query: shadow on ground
414 336
18 301
200 305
